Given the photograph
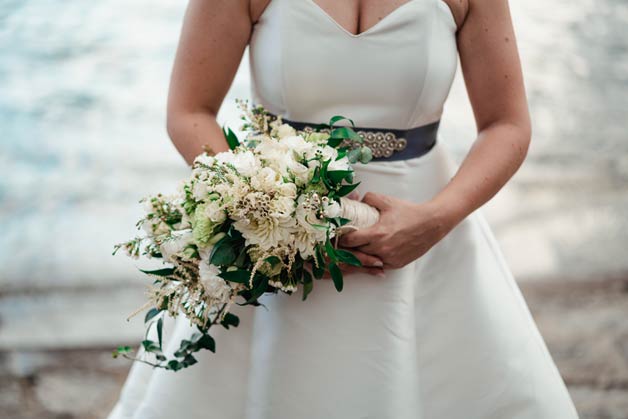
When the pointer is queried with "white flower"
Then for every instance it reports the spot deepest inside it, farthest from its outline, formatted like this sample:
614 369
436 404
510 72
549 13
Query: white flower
285 130
298 145
340 164
331 209
205 159
266 232
246 163
200 190
216 288
215 212
287 189
175 244
302 174
266 180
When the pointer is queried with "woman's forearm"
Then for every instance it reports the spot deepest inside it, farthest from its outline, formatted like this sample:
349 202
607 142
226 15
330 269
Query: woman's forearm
191 132
495 156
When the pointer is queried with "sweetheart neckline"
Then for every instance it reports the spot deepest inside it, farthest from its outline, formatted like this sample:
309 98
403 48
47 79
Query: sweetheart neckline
371 28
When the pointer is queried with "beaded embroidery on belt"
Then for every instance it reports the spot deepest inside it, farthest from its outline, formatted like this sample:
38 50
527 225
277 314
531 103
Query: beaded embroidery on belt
381 143
386 144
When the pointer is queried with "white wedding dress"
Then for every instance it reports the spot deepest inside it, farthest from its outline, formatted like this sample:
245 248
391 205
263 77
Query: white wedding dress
449 336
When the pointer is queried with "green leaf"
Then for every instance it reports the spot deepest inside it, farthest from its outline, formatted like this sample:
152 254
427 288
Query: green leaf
329 249
343 133
174 365
207 342
230 320
318 267
241 259
159 272
308 284
259 289
317 176
188 360
150 346
160 326
338 118
273 260
345 190
224 252
341 221
337 176
336 275
231 137
241 276
348 257
151 314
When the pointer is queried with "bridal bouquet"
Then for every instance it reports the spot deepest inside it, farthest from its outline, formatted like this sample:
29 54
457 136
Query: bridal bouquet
259 218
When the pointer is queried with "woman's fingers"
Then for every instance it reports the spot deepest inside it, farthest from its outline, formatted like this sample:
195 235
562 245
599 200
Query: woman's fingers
348 269
368 260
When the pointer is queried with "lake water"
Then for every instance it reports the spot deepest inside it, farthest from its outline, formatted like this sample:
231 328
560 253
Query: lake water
82 108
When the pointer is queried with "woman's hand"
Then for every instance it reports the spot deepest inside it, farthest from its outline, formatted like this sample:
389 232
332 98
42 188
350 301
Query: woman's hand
405 231
371 265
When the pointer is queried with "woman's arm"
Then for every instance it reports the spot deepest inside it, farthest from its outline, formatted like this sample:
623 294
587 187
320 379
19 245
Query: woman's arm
213 39
492 72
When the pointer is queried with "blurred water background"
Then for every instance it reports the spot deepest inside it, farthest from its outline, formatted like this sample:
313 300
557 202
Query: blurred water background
82 108
83 89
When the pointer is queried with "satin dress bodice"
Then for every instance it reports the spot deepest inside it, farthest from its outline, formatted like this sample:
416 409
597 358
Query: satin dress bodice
396 74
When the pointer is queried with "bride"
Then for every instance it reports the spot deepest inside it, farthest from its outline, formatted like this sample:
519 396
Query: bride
433 326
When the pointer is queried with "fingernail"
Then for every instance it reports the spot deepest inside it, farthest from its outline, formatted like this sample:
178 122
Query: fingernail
381 274
379 264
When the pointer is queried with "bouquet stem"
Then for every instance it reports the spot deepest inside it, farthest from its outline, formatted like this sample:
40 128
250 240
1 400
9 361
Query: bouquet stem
361 215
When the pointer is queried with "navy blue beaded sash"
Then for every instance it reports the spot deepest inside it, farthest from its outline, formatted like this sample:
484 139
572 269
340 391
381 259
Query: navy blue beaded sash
387 144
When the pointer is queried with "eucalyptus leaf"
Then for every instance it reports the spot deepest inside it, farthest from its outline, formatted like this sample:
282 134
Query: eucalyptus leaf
354 155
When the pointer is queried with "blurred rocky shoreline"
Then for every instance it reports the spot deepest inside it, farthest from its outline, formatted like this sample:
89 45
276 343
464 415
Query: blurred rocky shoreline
58 365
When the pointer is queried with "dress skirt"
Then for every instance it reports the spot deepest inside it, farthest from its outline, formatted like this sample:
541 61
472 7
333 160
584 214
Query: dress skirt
448 336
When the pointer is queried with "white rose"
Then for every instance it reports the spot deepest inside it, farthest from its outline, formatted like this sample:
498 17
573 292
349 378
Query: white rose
340 164
298 145
246 163
285 130
301 173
